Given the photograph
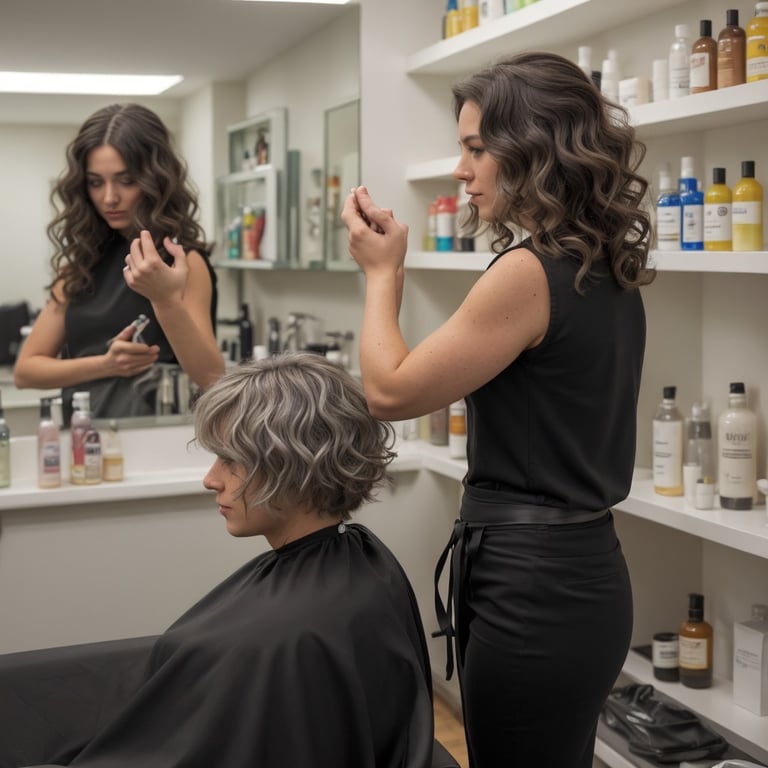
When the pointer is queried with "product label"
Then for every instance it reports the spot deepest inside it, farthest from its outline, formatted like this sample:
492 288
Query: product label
747 212
693 652
737 468
668 227
717 222
667 454
693 224
665 654
700 70
679 76
50 458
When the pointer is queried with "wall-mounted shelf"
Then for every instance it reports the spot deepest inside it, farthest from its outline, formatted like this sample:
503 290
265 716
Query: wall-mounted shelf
717 262
545 24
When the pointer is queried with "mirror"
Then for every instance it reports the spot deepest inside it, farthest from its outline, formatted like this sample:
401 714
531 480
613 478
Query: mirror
342 171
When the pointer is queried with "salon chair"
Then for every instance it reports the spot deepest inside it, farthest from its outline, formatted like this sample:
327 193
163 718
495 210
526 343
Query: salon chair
54 700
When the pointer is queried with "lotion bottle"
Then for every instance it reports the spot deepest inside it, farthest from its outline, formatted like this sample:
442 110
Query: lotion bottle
736 438
668 213
747 210
692 209
79 427
717 214
695 646
112 459
704 60
679 63
48 448
5 449
731 52
757 44
668 446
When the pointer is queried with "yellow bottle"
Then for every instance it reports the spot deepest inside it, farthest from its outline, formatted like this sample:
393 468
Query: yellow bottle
470 15
747 210
717 214
452 19
757 44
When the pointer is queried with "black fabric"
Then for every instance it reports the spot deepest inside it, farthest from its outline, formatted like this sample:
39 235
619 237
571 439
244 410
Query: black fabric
557 427
311 655
92 320
660 730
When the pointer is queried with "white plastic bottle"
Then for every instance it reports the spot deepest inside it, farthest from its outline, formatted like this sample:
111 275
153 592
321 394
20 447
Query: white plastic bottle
585 60
668 446
736 438
668 213
679 63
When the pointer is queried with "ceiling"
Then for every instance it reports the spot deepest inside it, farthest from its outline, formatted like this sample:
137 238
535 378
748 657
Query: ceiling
202 40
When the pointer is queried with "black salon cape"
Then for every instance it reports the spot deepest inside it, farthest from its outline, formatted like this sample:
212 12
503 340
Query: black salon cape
310 655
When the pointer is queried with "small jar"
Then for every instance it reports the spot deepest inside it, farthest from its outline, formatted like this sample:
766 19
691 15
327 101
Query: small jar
665 655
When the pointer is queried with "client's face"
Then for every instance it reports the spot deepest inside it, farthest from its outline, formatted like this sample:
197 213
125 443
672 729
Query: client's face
226 479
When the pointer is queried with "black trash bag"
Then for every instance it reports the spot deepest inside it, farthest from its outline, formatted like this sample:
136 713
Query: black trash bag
659 730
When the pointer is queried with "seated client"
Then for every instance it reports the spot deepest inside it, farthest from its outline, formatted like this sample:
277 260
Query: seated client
313 653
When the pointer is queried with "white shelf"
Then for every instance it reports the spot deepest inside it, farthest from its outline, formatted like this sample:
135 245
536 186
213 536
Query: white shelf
468 261
741 728
723 262
433 170
744 530
247 264
742 262
545 24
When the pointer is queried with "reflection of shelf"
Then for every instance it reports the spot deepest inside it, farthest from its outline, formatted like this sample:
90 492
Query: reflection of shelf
545 24
469 261
246 264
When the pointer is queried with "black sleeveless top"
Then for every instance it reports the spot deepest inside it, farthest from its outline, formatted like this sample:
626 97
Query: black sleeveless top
92 319
558 426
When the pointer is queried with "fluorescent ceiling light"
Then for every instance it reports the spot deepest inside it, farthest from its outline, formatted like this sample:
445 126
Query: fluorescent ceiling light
61 82
313 2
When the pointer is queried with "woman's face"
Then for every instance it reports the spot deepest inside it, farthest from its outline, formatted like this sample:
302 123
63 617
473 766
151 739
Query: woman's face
477 168
113 191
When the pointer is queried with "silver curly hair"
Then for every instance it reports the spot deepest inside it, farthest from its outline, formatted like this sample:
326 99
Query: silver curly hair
299 425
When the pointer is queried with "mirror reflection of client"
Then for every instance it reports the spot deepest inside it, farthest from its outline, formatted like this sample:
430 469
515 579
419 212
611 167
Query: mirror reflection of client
127 243
311 655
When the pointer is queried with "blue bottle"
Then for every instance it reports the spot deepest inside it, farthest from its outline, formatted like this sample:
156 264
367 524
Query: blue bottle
668 214
692 204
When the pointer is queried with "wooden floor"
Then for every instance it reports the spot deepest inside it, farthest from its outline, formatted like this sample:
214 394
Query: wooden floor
449 731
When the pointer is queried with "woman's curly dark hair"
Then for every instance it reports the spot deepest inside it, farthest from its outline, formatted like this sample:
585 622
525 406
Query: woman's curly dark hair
168 204
567 165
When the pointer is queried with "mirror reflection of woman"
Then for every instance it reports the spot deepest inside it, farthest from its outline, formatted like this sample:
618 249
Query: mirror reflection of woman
127 243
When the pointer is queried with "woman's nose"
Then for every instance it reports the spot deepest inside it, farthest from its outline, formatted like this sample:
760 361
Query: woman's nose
460 172
209 481
110 193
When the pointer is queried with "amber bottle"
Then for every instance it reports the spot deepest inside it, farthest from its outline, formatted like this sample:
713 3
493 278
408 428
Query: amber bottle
695 646
731 52
704 60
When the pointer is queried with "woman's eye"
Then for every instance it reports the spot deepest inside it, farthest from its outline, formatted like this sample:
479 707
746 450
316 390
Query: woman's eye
93 183
476 151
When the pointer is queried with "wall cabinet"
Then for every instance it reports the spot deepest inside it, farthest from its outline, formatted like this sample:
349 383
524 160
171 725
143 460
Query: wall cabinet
707 312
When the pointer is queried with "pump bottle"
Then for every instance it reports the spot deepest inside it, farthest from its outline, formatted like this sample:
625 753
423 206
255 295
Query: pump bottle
668 446
695 646
736 437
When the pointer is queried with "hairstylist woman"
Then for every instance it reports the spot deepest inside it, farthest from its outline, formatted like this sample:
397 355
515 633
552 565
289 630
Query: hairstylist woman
547 348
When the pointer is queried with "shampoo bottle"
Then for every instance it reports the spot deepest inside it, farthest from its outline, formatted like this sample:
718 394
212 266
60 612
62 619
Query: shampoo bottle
5 450
731 52
679 63
757 44
668 446
692 209
668 213
747 210
48 448
79 427
699 464
112 460
717 214
695 646
452 19
736 438
704 60
245 332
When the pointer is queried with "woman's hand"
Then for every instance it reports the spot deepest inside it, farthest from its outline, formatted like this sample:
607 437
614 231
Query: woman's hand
146 273
376 238
129 358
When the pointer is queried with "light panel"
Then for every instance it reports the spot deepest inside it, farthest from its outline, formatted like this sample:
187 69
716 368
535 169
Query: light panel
71 83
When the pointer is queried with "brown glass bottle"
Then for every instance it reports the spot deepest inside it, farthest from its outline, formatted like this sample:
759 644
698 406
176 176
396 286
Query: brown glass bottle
731 52
704 60
695 646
